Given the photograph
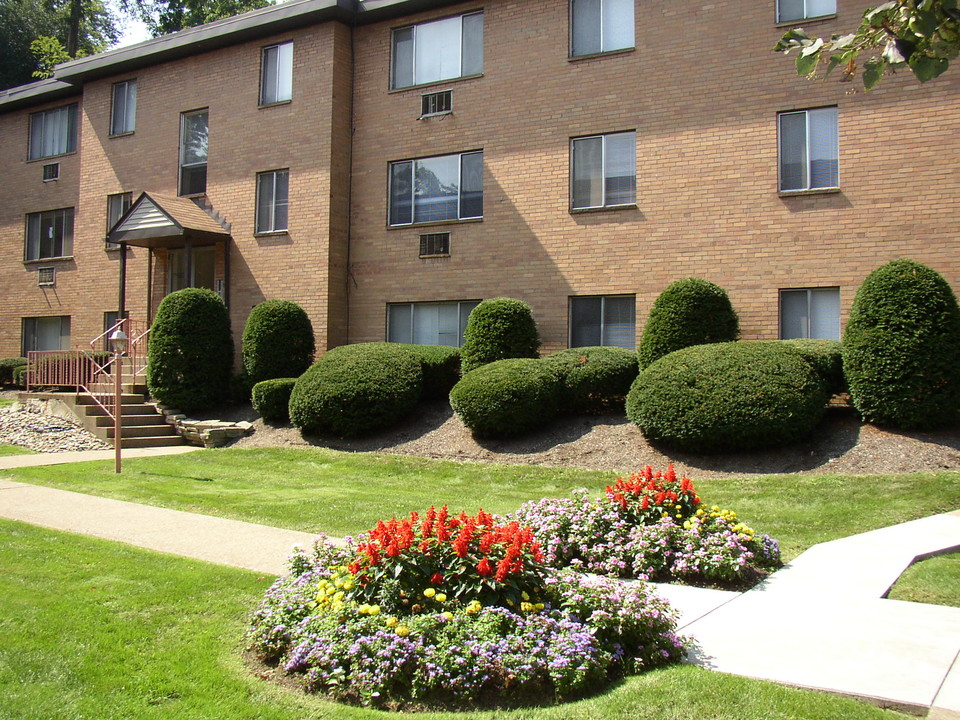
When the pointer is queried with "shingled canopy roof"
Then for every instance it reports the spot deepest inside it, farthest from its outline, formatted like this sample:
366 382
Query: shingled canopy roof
158 221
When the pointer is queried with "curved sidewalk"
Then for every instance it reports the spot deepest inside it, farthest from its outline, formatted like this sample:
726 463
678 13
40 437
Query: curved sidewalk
820 622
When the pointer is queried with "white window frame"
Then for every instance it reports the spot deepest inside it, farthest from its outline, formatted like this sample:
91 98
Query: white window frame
396 167
28 333
810 322
123 109
808 12
603 171
191 166
407 69
605 43
276 73
602 320
33 243
266 222
53 132
411 331
808 163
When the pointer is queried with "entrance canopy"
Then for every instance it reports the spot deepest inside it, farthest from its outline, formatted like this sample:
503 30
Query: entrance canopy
158 221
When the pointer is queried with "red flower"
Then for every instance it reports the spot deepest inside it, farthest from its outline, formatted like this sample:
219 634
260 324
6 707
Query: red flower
503 569
484 567
436 579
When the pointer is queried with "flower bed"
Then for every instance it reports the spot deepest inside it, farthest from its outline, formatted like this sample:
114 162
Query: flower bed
651 526
455 612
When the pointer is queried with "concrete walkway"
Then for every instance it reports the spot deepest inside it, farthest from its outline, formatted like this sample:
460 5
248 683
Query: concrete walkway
820 622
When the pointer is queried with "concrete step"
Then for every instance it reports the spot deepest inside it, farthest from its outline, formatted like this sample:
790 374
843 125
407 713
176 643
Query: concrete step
107 421
131 431
127 410
153 441
125 398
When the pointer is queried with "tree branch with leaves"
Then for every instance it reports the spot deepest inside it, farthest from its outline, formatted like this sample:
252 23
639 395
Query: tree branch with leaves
920 35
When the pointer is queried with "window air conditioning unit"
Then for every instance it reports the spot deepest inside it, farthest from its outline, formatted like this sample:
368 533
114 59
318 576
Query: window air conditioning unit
51 172
46 277
437 103
435 245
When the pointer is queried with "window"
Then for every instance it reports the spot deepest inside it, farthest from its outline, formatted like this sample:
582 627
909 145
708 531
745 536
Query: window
789 10
599 26
53 132
809 150
49 234
117 205
449 187
437 50
603 320
811 313
276 74
272 201
193 152
202 268
46 334
123 116
604 170
429 323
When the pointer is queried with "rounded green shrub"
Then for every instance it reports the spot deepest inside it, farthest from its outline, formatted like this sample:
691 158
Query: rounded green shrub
507 398
191 351
901 348
497 329
271 398
594 379
357 389
20 376
689 312
441 368
826 357
277 342
7 366
727 397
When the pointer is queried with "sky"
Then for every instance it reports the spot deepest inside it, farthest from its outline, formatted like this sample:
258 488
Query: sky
134 31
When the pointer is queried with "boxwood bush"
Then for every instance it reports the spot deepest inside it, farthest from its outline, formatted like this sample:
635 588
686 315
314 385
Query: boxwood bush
689 312
594 379
191 351
7 366
826 357
277 341
441 368
357 389
901 348
20 376
497 329
271 398
507 398
727 397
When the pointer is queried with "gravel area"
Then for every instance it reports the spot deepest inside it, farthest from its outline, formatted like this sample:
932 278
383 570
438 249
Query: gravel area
44 433
842 444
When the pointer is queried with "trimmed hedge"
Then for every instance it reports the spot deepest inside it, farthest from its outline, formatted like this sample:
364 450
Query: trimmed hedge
441 369
901 348
277 341
191 351
594 379
826 357
271 398
7 366
497 329
728 397
357 389
689 312
20 376
507 398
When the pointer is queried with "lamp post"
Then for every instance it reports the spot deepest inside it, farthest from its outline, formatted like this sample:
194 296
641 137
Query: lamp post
118 343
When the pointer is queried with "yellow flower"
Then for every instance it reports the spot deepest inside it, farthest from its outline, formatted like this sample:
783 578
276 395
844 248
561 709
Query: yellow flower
403 631
524 595
429 592
348 585
392 621
448 615
374 610
539 606
526 607
440 597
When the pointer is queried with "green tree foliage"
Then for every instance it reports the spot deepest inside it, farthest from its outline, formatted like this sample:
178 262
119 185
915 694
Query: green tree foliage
24 21
191 350
689 312
167 16
497 329
920 35
277 341
901 348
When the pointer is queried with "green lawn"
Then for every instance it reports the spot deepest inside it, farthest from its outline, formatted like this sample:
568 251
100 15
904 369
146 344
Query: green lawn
95 629
935 581
314 489
14 450
6 402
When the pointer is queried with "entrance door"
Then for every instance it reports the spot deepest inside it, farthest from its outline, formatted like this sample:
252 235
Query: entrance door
204 262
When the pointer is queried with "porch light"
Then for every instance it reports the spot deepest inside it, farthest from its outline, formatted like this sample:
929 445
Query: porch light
118 341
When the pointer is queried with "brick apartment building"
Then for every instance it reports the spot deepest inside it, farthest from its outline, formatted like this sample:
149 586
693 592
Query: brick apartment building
389 163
